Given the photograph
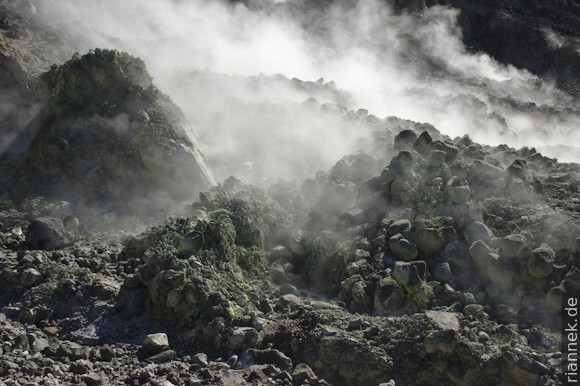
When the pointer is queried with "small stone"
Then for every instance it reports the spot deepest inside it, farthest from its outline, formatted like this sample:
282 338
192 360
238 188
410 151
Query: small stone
444 320
517 190
232 361
478 231
404 250
541 261
422 143
303 374
467 298
266 357
290 301
51 330
389 297
505 314
410 273
436 158
242 338
361 254
442 272
107 353
71 223
499 270
513 245
441 341
265 306
430 240
465 141
200 359
277 273
458 192
482 336
449 149
472 309
92 379
30 277
399 226
405 140
487 172
355 324
81 366
38 344
155 343
363 244
411 277
402 164
175 298
554 298
163 357
479 252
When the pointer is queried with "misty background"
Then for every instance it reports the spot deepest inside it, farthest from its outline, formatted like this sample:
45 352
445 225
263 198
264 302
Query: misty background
243 74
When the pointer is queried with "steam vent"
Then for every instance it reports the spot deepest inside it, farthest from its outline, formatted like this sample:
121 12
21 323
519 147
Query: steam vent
289 193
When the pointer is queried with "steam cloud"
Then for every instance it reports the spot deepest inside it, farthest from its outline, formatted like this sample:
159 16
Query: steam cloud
410 67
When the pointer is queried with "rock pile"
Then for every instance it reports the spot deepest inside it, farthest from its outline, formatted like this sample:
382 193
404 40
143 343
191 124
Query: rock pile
469 283
420 260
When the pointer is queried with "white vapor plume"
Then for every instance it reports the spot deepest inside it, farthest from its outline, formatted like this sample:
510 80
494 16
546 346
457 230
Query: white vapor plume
413 67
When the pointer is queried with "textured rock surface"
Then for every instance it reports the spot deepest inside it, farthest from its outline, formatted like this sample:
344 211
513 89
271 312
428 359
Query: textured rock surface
105 109
447 267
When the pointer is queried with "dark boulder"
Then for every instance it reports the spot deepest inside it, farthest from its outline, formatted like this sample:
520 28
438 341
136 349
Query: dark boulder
405 140
48 234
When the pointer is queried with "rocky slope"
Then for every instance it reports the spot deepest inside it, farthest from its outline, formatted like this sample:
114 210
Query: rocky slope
419 259
336 281
109 141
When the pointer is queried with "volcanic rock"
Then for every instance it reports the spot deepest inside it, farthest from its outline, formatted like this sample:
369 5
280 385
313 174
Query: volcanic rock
478 231
513 245
263 357
405 140
441 342
155 343
404 250
242 338
541 261
96 112
48 234
457 191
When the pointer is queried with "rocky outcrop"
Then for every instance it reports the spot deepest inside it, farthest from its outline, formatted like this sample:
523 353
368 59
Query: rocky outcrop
223 292
112 142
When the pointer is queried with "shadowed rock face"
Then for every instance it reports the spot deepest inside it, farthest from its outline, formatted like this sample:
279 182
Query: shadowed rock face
112 141
537 35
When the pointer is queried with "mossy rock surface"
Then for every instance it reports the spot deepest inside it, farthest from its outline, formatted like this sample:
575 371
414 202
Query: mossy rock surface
199 268
111 141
